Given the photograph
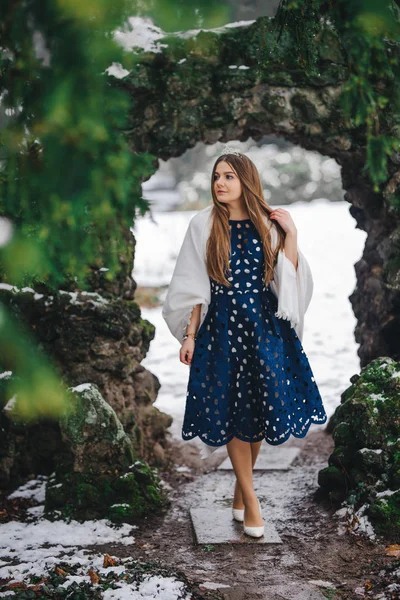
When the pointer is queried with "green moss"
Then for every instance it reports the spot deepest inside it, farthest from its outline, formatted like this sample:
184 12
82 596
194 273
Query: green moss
87 495
134 309
343 434
366 457
341 457
122 513
378 371
332 478
148 329
119 497
385 515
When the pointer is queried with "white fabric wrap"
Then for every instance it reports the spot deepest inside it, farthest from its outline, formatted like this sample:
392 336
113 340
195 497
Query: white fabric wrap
190 284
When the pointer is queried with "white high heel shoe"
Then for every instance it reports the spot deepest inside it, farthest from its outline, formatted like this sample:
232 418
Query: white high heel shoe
254 531
238 514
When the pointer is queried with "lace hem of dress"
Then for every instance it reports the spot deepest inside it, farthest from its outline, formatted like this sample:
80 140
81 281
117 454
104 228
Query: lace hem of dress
313 420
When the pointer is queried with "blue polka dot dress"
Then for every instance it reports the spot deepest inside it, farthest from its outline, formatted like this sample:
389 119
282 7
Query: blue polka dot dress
249 377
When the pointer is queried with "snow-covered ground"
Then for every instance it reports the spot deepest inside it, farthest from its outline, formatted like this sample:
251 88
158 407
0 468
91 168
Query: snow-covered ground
328 237
43 548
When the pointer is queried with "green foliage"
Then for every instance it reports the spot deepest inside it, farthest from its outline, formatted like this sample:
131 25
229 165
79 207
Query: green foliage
369 32
175 15
69 182
36 391
70 185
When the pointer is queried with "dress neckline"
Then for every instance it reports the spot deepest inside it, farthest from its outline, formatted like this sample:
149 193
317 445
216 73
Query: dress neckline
238 220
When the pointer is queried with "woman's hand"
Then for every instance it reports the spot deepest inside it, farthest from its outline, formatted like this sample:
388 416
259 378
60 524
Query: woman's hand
186 351
284 219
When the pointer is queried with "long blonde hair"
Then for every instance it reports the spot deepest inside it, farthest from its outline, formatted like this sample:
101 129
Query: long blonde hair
218 243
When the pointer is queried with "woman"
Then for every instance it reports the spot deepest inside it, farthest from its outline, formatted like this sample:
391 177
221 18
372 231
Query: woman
236 302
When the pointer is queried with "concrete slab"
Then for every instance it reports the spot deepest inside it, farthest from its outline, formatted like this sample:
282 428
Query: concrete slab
270 458
289 590
214 525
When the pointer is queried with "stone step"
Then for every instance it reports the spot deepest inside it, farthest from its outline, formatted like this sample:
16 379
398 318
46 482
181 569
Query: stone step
270 458
214 525
287 590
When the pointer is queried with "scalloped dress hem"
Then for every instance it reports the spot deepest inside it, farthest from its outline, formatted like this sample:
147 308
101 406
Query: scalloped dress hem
302 434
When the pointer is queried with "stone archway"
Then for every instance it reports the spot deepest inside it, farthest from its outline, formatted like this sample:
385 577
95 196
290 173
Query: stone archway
208 88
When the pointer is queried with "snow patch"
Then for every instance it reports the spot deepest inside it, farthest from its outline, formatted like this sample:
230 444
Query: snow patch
34 489
377 397
28 548
96 301
6 231
140 32
5 374
81 387
118 71
152 586
321 583
386 493
9 407
210 585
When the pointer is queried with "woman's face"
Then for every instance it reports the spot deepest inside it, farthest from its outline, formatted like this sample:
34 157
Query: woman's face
227 186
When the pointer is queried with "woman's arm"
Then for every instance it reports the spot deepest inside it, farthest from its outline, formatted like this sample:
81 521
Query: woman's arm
187 348
194 319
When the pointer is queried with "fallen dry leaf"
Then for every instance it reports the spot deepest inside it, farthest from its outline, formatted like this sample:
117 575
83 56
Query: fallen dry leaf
94 578
393 550
17 584
109 561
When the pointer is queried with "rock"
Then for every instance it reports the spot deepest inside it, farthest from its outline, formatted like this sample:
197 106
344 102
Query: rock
25 447
94 435
204 100
384 511
91 338
332 479
366 459
99 475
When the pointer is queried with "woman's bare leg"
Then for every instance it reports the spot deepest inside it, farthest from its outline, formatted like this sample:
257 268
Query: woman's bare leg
238 496
241 457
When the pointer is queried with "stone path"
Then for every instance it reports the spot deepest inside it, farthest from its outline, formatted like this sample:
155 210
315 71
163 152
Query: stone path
216 526
213 524
302 555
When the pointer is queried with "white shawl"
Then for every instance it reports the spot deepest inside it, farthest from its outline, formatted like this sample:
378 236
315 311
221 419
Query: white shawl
190 283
